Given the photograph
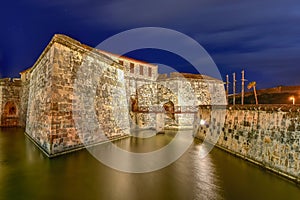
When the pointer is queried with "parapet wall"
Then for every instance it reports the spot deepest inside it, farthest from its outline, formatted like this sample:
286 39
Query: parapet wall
267 135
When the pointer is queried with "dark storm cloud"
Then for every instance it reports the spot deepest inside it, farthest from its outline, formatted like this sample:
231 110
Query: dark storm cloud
261 36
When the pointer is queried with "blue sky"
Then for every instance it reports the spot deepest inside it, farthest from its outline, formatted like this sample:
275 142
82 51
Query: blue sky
260 36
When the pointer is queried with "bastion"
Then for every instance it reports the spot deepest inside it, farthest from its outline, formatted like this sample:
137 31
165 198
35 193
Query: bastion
75 95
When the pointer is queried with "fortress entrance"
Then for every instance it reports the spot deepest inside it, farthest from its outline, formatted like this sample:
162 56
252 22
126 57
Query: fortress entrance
10 109
170 109
153 106
10 116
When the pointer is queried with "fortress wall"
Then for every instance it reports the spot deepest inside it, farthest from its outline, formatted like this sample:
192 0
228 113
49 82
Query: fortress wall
63 134
39 116
185 93
10 109
268 136
73 92
70 105
25 78
135 69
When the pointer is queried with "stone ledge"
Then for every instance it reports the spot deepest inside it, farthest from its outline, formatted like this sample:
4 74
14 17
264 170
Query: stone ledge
267 107
260 107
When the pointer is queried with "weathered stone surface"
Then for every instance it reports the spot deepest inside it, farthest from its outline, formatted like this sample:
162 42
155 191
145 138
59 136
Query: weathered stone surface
265 134
10 104
74 92
77 95
185 91
63 100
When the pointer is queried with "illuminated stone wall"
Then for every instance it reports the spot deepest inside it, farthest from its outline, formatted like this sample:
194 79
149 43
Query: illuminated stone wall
69 107
24 95
266 135
74 92
39 116
186 91
10 90
134 69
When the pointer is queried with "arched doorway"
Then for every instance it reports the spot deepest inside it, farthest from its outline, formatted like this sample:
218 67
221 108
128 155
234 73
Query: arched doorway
153 104
10 109
170 109
10 116
133 104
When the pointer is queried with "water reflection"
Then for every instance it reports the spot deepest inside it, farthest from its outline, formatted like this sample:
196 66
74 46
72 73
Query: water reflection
25 173
208 182
151 160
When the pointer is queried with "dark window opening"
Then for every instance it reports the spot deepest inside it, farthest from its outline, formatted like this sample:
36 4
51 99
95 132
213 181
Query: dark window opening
149 72
10 109
141 70
132 68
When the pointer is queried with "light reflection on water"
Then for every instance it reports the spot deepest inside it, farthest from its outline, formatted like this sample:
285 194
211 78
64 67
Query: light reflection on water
25 173
208 184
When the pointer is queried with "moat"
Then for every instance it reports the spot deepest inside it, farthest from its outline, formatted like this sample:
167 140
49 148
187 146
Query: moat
26 173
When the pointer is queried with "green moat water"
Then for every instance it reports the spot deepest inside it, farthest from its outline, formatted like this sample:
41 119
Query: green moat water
25 173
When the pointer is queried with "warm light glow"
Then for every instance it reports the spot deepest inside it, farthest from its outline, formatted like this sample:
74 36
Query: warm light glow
293 99
202 122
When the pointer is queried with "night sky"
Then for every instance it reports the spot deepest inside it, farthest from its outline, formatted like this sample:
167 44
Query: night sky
260 36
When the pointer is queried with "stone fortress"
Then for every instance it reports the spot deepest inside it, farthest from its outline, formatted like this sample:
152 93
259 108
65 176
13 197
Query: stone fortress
73 91
50 99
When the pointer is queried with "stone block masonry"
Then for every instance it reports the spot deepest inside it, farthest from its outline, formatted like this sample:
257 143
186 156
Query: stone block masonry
58 118
24 95
74 92
10 102
267 135
185 91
